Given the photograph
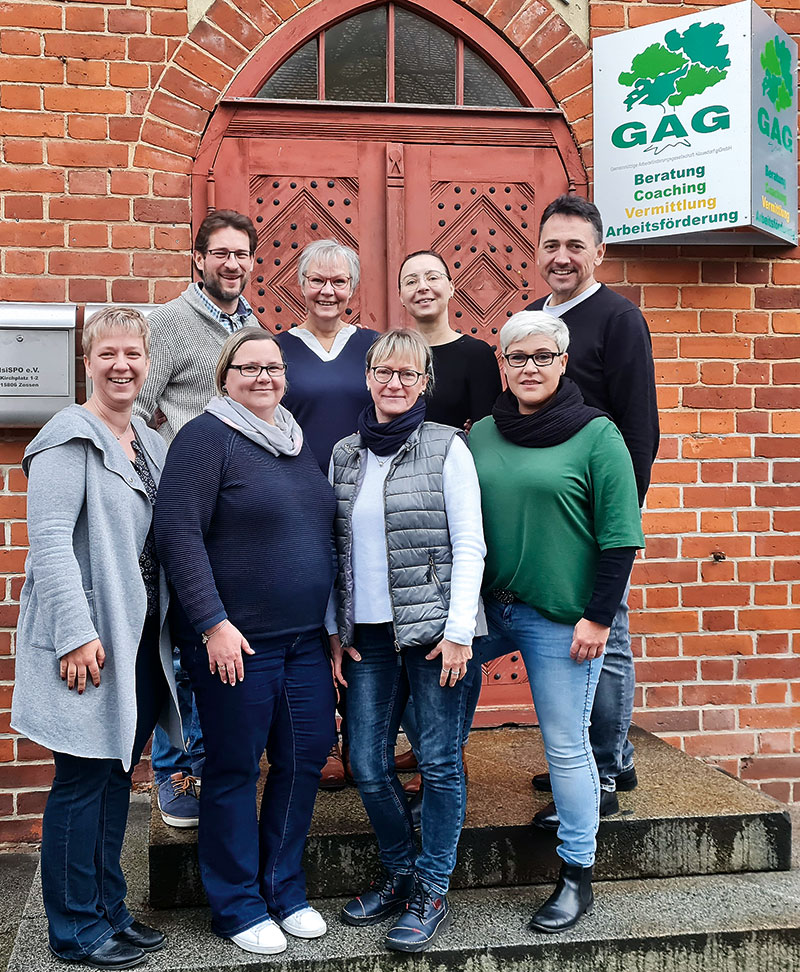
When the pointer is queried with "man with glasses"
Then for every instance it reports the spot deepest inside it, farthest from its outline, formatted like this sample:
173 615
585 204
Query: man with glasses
186 336
611 361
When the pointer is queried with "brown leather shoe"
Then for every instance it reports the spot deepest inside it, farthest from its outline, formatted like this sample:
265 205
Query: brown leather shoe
332 775
405 762
413 785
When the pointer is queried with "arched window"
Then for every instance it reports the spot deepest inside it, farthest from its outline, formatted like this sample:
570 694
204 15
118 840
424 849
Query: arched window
389 55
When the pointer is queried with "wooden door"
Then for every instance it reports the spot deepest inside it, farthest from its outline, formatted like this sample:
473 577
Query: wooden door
386 181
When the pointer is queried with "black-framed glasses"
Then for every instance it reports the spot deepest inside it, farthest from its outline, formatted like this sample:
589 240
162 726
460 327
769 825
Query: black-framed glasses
254 370
408 377
241 256
542 359
429 276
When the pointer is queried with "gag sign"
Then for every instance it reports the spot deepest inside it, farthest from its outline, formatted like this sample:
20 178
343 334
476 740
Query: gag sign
695 130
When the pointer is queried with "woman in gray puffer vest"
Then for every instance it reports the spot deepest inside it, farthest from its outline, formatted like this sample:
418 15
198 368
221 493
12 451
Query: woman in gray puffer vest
410 555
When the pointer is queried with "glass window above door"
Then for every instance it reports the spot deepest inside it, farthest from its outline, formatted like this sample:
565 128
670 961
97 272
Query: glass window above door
389 55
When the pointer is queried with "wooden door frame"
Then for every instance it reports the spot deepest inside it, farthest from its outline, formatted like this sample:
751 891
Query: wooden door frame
495 48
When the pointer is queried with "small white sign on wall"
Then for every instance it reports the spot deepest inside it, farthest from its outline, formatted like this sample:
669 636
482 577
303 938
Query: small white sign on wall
695 130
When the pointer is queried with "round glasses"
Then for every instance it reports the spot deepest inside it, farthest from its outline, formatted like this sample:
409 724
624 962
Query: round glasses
408 377
317 282
429 276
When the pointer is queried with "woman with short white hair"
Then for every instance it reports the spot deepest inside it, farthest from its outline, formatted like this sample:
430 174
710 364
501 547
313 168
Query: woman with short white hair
562 525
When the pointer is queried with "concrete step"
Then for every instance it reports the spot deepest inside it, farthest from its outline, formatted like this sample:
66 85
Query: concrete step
684 818
711 923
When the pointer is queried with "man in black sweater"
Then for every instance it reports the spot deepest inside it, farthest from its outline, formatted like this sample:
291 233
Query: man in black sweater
611 360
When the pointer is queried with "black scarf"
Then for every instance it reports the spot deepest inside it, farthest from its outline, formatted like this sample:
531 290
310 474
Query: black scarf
384 438
565 414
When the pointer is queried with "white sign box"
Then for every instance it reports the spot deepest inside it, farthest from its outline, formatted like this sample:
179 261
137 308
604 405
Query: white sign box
695 130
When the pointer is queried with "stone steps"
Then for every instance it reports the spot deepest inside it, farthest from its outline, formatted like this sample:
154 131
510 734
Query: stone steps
685 818
712 923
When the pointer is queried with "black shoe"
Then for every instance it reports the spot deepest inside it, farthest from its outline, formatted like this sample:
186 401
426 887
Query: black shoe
572 898
114 955
142 936
384 898
547 817
626 781
426 916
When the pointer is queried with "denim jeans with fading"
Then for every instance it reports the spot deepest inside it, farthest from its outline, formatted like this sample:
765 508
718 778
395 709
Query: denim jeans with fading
563 692
167 759
613 703
83 886
251 863
378 688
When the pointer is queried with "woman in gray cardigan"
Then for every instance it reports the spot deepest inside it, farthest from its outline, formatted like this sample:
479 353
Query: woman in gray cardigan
94 659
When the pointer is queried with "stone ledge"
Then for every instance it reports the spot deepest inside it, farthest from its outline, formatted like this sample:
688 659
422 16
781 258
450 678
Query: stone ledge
684 818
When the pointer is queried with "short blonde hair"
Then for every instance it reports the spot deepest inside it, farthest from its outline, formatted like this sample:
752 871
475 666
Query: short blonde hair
405 342
109 319
232 345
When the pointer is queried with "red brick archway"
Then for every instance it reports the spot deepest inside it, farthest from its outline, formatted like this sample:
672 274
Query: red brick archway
220 58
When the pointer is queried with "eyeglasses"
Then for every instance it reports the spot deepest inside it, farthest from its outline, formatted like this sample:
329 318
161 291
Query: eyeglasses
241 256
408 377
254 370
429 276
316 282
542 359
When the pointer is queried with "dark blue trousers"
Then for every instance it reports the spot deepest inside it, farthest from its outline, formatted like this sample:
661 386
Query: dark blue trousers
84 825
251 864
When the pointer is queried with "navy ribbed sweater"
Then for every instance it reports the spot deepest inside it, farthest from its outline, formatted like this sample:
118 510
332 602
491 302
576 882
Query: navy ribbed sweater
244 534
326 397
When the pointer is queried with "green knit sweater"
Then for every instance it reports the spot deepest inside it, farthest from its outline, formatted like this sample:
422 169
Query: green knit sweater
547 513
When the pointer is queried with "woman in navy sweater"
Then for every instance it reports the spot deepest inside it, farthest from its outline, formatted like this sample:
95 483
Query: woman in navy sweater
243 526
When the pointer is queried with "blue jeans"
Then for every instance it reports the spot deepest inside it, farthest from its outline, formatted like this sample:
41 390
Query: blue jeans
613 704
251 863
612 711
563 693
378 688
167 759
84 825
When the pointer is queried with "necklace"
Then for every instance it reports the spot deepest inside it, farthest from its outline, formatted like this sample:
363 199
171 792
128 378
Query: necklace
123 432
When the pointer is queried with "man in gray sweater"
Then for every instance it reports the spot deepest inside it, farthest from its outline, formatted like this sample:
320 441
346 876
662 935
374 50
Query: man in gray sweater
186 336
187 333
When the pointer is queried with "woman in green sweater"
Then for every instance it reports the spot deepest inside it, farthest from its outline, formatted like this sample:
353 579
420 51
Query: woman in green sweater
562 525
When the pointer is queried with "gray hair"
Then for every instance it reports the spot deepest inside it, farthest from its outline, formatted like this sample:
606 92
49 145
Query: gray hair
404 342
325 253
109 319
525 323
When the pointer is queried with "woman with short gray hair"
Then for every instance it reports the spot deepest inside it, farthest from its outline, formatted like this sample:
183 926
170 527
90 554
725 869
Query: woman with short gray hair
325 354
94 654
562 524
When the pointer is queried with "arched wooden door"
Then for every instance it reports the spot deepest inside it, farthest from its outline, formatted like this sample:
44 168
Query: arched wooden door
387 179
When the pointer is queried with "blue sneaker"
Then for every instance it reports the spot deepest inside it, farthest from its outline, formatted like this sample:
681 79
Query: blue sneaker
386 896
426 916
177 801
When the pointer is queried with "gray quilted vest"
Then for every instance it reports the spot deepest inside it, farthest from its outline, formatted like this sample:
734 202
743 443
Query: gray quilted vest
417 535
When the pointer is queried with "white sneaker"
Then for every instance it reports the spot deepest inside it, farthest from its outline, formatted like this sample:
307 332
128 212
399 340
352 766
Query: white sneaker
265 938
305 923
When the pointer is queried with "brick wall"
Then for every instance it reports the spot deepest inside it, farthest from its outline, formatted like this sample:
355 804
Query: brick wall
102 107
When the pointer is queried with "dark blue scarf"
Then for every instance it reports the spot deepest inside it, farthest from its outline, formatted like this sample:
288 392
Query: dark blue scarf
384 438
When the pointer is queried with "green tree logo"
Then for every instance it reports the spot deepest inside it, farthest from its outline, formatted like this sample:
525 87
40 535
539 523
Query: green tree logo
776 59
684 65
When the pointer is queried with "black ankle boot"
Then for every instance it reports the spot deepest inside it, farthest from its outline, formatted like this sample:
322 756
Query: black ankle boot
572 898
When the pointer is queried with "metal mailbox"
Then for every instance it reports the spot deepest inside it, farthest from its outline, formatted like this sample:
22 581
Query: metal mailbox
37 362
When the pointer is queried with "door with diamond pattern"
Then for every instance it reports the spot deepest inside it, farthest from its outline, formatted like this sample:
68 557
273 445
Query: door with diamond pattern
470 184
